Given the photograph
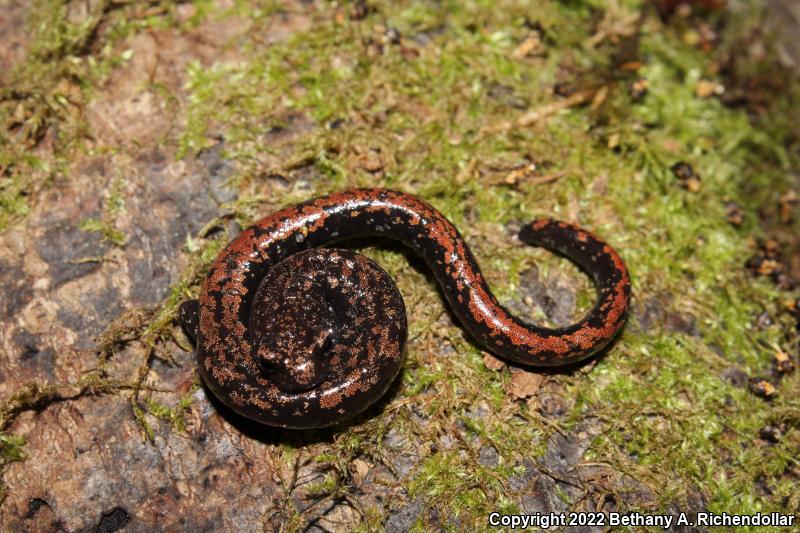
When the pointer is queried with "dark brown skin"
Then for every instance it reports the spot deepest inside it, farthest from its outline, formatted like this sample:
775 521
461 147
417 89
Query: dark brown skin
294 336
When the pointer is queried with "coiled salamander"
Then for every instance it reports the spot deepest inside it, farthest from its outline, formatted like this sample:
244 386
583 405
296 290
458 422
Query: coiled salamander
292 335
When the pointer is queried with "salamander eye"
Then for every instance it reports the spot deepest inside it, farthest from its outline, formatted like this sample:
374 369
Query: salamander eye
268 360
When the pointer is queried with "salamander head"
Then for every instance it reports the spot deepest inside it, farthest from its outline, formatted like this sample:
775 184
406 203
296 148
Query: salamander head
294 359
292 332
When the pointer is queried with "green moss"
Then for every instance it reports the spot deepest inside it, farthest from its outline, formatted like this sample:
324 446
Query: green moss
670 414
173 415
141 418
108 232
11 448
106 224
12 201
470 491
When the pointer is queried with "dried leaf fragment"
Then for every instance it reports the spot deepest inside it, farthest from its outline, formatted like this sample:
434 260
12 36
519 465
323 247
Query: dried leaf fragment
524 384
492 362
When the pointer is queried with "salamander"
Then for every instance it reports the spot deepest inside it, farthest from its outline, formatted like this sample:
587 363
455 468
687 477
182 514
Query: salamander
291 334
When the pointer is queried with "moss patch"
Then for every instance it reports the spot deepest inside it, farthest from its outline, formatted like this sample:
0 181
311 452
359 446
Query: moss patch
428 98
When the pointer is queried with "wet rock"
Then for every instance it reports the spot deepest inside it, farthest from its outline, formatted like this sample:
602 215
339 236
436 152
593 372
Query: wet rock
33 353
556 297
488 457
14 35
87 312
19 289
552 483
340 518
692 503
736 376
564 452
218 172
542 497
89 465
65 247
656 312
404 518
478 411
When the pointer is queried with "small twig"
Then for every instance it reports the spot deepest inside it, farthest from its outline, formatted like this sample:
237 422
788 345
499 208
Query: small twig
552 475
537 115
34 395
547 178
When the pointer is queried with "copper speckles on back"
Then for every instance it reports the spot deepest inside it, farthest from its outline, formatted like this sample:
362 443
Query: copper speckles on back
228 301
